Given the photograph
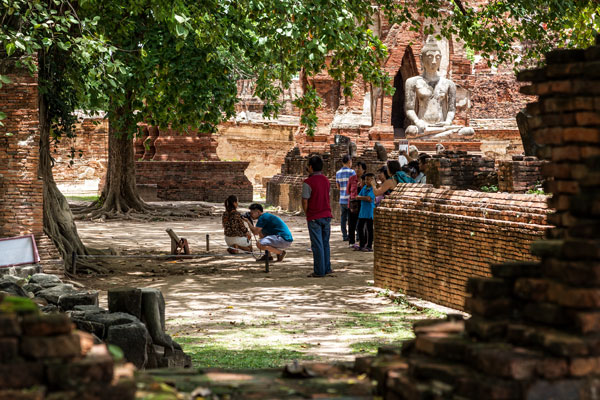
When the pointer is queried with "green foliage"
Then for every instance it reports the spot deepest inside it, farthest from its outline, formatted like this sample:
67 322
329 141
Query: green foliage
489 189
18 305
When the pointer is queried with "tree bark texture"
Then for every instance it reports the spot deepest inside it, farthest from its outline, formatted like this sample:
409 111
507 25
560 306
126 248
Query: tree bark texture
59 224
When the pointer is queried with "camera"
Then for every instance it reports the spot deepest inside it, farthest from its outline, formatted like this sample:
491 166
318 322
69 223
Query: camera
247 216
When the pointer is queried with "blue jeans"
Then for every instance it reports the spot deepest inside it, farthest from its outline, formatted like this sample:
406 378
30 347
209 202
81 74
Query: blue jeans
344 212
319 230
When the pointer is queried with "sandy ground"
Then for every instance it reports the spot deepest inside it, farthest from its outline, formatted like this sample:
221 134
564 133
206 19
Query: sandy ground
223 297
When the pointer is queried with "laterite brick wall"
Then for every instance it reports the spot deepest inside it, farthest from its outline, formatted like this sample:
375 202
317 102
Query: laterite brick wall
21 196
195 180
429 241
519 175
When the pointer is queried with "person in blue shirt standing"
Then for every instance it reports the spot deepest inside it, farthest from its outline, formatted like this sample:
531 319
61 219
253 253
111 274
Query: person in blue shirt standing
341 179
365 216
275 236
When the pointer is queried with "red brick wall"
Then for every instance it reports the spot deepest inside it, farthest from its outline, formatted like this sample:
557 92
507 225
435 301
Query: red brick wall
20 187
195 180
92 143
428 241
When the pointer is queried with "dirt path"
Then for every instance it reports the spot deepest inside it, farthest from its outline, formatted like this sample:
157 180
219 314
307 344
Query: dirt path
218 308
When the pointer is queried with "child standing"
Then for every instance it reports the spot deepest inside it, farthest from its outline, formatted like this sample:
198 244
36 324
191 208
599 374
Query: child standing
365 216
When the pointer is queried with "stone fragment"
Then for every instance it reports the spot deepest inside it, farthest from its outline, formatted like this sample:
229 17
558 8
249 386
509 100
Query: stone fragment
12 288
9 326
90 309
127 300
45 280
25 394
29 374
153 311
14 279
33 287
70 300
133 339
9 350
52 294
60 346
46 325
78 373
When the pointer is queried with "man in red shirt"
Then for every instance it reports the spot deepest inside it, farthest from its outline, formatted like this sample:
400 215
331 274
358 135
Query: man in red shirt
316 206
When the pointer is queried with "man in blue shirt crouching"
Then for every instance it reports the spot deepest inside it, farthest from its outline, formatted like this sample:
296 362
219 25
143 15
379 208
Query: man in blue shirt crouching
275 236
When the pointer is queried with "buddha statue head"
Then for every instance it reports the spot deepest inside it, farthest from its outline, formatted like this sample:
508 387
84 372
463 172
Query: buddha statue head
431 56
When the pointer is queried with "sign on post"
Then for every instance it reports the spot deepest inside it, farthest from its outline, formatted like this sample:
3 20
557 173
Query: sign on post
18 251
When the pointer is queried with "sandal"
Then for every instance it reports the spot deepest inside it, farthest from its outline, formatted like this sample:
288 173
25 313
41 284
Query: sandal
281 256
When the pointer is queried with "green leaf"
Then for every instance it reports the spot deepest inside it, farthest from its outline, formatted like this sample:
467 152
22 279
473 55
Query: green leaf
2 115
4 79
10 48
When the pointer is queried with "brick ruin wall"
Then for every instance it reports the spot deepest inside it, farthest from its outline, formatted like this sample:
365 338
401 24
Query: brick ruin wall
194 180
429 241
21 190
87 172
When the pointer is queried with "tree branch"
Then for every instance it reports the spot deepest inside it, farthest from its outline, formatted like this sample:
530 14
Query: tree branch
460 6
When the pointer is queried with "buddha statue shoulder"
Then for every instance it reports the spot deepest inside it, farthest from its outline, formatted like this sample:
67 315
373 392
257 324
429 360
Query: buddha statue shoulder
431 99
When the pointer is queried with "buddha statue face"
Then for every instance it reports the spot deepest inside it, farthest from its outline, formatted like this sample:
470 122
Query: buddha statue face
431 60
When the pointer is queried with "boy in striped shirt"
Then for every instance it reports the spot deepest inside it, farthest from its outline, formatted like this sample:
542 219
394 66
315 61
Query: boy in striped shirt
341 179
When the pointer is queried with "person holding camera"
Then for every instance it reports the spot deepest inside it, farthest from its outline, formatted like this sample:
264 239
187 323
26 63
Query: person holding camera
275 236
237 235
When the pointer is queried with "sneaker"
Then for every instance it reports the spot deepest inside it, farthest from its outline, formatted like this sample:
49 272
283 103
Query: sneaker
281 256
366 249
351 246
357 248
263 258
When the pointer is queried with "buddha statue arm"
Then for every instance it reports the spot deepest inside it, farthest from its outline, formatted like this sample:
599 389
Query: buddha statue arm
411 102
451 104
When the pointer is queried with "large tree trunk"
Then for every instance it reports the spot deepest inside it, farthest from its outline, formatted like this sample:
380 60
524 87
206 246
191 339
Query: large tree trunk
58 219
120 193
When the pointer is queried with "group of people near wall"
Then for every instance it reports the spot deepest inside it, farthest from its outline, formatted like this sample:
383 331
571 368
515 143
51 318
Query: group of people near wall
361 191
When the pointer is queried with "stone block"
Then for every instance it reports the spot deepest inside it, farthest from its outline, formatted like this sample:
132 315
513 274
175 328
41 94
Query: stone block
53 293
46 324
133 339
552 368
45 280
29 374
520 269
126 300
70 300
25 394
488 287
9 325
60 346
12 288
77 374
485 329
489 307
9 349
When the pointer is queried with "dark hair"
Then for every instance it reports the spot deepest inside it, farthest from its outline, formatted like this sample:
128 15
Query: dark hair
384 171
346 158
256 206
362 165
229 206
316 163
415 164
424 156
393 167
369 175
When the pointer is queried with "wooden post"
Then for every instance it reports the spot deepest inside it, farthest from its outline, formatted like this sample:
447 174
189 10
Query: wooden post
267 255
174 240
74 263
207 242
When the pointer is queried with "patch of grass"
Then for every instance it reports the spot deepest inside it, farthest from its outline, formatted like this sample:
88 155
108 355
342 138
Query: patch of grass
228 356
82 198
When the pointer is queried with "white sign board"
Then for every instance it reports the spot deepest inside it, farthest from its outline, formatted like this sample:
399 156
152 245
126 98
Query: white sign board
18 250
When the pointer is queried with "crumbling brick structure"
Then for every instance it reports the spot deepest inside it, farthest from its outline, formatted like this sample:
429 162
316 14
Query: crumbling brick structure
519 175
43 357
534 330
460 170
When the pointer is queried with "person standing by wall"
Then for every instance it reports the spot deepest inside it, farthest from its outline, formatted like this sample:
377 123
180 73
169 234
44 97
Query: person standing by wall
365 217
354 186
341 180
316 206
